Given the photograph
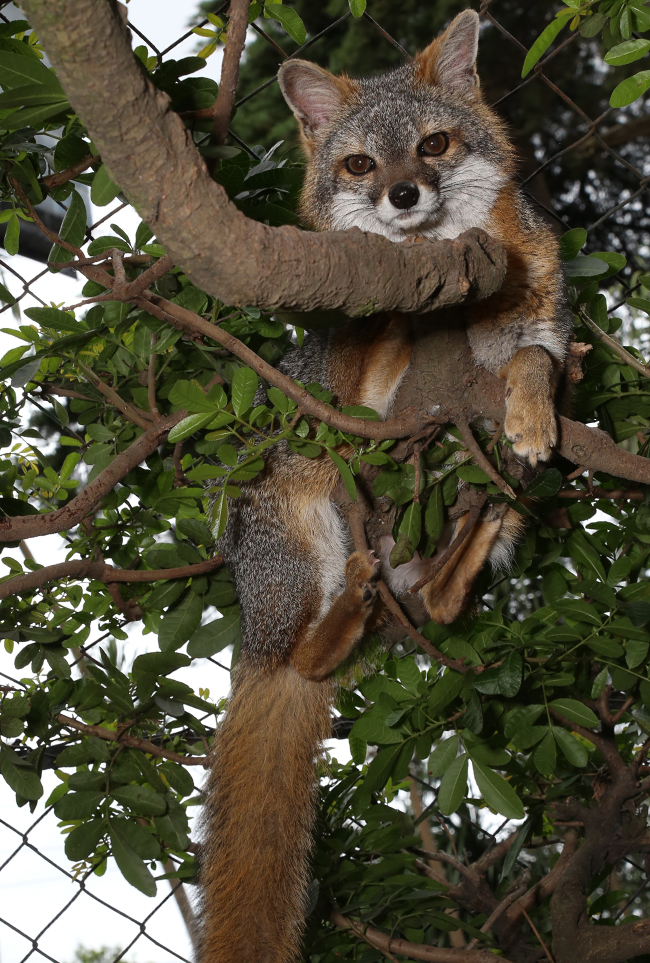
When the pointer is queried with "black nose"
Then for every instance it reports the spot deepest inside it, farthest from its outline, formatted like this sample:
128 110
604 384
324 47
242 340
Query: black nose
403 195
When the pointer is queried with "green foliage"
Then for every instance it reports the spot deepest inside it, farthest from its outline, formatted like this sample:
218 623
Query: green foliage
616 20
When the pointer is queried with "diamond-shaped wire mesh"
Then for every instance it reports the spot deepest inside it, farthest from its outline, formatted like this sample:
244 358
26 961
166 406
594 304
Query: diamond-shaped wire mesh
65 897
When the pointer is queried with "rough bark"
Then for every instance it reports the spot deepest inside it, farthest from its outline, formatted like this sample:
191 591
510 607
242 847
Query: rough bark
151 156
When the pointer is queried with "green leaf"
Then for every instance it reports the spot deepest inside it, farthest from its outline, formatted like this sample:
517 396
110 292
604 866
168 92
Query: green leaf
445 690
599 683
34 116
188 394
473 718
473 474
577 609
105 243
83 840
6 296
545 485
140 799
513 853
345 473
630 89
545 756
244 388
53 318
543 42
643 304
139 838
16 70
103 190
572 242
72 230
31 95
510 673
158 663
584 267
214 636
636 652
288 18
453 787
442 756
12 235
357 7
572 750
131 866
585 555
172 834
371 728
411 525
434 515
21 778
498 794
78 805
627 52
575 711
181 623
189 425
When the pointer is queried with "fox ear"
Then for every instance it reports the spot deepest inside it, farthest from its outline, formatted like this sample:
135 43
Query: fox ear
450 61
314 94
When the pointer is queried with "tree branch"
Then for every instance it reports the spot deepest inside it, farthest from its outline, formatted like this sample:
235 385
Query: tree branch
101 572
56 180
415 951
63 519
143 744
240 261
235 40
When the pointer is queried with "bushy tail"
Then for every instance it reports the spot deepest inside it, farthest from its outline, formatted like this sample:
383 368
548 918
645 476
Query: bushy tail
260 813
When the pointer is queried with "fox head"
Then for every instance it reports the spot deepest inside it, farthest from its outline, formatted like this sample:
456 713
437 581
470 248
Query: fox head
411 151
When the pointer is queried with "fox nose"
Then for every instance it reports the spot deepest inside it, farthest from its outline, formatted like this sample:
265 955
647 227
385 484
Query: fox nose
403 195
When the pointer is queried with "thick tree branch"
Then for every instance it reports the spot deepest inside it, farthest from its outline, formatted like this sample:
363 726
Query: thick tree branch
63 519
143 744
101 572
151 156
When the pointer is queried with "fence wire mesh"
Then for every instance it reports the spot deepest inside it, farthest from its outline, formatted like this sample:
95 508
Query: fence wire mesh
23 843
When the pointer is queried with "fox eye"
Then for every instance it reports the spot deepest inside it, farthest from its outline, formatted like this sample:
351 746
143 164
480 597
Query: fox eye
359 164
434 145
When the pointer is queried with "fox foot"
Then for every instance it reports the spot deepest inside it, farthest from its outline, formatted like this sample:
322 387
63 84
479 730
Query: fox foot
530 426
361 574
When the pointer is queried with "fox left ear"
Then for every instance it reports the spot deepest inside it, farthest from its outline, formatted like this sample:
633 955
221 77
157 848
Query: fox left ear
450 61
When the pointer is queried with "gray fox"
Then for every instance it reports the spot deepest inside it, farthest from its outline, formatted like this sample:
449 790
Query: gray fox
415 151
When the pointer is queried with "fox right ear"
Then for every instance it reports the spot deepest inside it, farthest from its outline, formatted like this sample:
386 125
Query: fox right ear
450 61
314 94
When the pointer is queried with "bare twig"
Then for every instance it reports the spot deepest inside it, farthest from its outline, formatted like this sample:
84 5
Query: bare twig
143 744
140 418
56 180
615 345
235 40
481 459
151 375
536 932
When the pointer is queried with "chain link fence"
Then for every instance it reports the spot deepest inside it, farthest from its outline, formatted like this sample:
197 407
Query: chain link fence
27 856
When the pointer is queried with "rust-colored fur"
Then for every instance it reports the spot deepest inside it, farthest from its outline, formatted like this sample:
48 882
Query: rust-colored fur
255 861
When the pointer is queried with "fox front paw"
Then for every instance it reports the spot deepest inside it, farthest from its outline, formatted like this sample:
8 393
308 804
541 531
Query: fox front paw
361 574
531 428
